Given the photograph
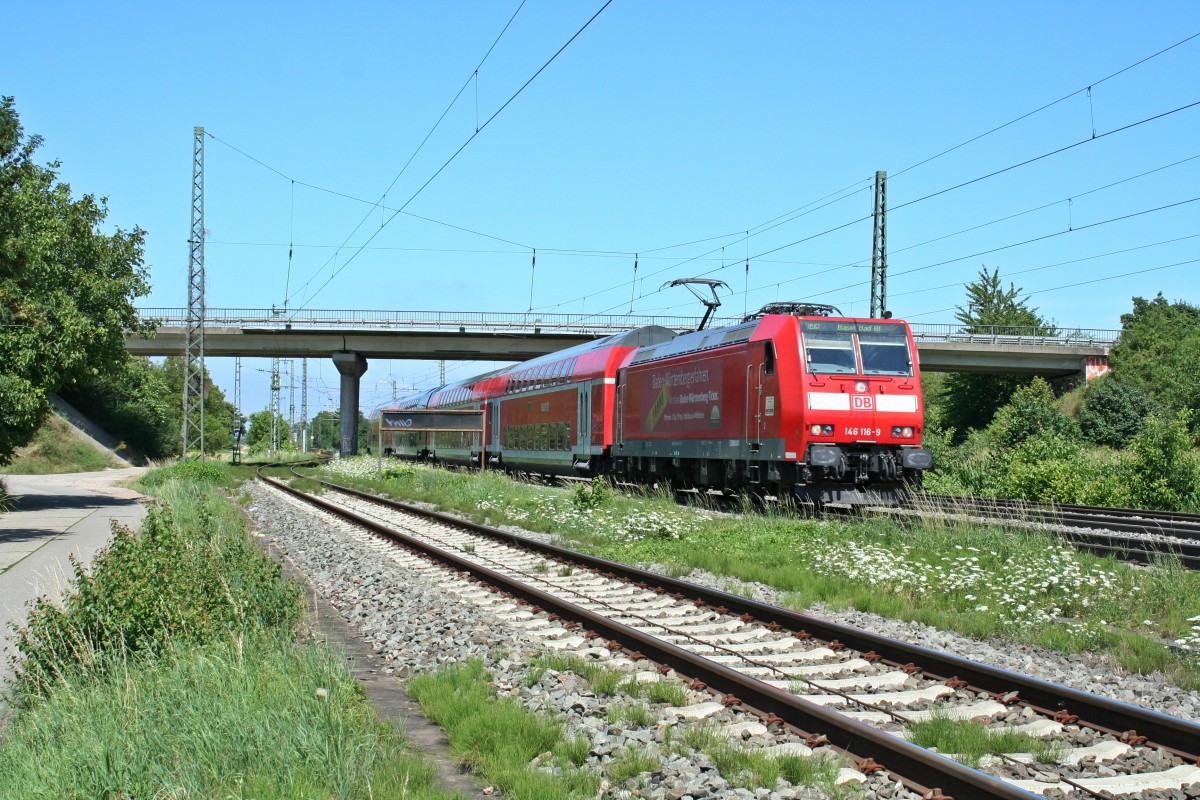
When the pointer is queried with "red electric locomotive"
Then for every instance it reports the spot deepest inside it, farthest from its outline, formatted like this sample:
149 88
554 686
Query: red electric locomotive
795 399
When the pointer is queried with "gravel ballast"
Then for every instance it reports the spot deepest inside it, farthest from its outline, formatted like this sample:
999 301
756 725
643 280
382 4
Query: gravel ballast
404 610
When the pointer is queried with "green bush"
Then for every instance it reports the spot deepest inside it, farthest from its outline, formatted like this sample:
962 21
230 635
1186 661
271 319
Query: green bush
591 495
1163 472
1032 411
968 469
1054 469
1113 413
6 499
191 575
208 472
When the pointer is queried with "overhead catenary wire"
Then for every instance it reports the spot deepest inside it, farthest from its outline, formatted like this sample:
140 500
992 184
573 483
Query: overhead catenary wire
1056 151
1051 104
980 253
971 140
1077 284
462 147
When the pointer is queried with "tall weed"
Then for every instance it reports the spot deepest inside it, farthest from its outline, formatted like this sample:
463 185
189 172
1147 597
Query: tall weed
191 575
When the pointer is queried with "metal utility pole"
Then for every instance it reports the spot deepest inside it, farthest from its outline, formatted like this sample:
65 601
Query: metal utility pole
441 373
879 249
304 405
237 386
274 404
193 348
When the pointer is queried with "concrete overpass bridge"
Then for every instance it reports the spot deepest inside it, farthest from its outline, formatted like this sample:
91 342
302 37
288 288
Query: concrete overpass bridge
352 337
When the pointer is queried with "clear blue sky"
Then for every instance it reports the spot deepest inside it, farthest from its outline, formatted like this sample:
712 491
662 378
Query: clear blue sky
663 122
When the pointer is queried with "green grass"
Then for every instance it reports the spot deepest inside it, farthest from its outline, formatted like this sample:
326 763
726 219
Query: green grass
254 718
978 580
603 680
498 739
6 499
629 763
633 713
56 448
671 693
971 741
749 769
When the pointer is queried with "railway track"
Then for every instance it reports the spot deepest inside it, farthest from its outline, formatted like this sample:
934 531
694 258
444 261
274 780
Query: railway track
1135 535
821 681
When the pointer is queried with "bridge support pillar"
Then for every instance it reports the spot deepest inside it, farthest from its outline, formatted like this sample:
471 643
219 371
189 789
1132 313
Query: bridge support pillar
351 366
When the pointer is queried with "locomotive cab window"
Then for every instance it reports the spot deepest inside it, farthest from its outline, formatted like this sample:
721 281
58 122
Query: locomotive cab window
884 354
769 359
830 353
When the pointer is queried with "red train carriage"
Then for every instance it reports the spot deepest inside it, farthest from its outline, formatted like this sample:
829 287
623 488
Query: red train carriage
551 415
792 400
827 408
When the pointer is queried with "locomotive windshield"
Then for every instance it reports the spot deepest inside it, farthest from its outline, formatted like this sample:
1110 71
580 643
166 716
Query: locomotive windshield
885 354
856 348
830 353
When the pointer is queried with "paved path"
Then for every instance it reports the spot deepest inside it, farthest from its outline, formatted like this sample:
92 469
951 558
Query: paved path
56 516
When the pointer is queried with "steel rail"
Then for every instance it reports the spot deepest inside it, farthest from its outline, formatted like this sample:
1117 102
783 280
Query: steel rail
1102 713
1147 516
1119 531
918 768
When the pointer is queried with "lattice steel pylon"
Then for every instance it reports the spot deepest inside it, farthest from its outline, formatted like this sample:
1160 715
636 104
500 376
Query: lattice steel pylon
275 360
193 348
304 406
879 248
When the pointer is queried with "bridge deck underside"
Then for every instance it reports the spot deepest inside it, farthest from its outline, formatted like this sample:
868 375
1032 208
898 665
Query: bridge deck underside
1044 358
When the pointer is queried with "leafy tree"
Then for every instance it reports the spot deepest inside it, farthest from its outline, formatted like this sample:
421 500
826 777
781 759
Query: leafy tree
219 415
970 401
1158 352
135 403
66 289
1113 412
258 437
325 431
1166 475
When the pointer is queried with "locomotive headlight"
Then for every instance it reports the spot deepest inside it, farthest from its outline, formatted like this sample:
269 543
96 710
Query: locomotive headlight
907 433
816 430
827 430
860 386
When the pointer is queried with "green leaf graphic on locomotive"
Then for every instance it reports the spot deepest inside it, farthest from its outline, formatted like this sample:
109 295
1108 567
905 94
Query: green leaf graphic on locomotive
656 411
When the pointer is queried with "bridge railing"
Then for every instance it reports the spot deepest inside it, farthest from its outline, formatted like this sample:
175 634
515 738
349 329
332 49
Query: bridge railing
525 322
582 323
1012 334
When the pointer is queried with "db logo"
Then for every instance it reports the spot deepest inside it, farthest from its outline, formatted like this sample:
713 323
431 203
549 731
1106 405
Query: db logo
863 402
